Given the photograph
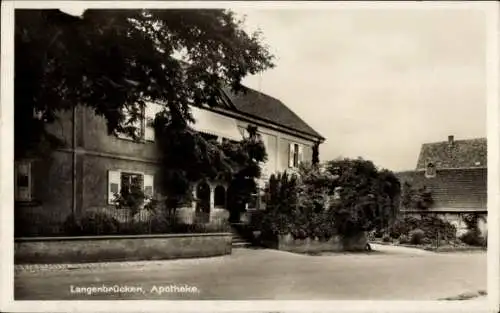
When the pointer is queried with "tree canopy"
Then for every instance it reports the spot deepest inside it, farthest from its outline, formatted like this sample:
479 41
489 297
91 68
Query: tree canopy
115 60
348 197
369 197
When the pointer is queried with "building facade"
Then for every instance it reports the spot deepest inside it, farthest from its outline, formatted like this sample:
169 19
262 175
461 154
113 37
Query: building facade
92 165
455 174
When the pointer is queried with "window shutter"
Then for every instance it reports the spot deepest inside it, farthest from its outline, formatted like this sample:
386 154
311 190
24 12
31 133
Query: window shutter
149 185
114 182
291 152
149 131
152 109
301 154
126 117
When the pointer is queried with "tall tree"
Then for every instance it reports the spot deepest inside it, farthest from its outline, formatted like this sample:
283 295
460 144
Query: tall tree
115 60
315 154
368 196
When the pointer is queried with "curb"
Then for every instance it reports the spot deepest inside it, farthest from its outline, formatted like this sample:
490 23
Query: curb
445 249
466 296
40 268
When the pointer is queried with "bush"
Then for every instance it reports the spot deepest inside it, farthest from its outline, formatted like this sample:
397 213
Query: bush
34 224
430 225
91 224
378 233
403 239
416 236
403 226
426 240
473 238
346 198
433 225
386 238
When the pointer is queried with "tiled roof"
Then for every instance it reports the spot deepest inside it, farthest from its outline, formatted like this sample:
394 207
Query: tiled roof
452 189
259 105
454 154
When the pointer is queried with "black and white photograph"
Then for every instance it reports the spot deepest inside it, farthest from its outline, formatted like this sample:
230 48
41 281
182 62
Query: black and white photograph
260 152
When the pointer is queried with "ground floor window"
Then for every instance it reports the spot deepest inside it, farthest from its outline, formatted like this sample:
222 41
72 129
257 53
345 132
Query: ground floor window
131 182
127 182
23 184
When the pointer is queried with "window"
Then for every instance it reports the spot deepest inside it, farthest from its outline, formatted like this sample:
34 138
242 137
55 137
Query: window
219 197
337 193
23 181
295 155
430 171
152 110
145 124
131 182
128 182
138 124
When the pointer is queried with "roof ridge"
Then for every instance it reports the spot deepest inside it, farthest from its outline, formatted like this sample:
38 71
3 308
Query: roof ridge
286 106
456 140
286 118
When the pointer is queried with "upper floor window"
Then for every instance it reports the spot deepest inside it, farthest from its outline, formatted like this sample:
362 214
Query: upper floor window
430 170
144 125
295 155
123 182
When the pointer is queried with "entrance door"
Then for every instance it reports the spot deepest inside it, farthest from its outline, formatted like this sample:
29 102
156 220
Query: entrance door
235 205
203 203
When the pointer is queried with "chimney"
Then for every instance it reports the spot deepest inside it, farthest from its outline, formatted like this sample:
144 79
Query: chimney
451 140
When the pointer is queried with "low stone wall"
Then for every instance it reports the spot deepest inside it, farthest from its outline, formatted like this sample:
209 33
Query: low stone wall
309 245
120 248
188 215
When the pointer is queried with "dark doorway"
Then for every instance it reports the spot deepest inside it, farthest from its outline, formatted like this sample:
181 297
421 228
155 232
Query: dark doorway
235 204
203 203
220 197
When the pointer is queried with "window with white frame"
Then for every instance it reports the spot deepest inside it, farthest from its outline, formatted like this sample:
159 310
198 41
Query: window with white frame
152 109
295 154
120 182
138 125
145 124
23 185
430 170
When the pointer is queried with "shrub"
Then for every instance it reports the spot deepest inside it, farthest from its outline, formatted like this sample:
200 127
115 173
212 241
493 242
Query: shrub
433 225
430 225
471 221
347 198
156 224
386 238
132 200
416 236
33 224
403 226
403 239
378 233
91 224
426 240
473 238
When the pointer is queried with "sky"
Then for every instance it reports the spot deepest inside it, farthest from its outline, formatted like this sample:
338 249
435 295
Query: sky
377 83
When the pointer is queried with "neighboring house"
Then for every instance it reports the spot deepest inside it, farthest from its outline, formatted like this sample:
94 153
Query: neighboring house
455 173
85 174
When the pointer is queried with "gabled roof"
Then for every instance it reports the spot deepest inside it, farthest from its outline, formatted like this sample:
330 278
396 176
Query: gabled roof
261 106
452 189
468 153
